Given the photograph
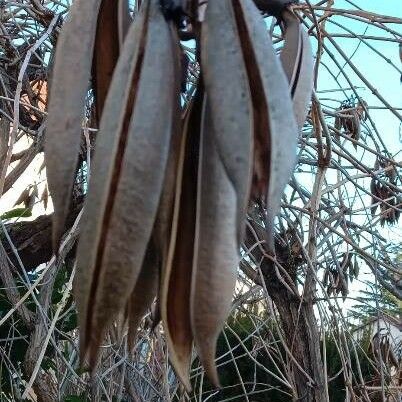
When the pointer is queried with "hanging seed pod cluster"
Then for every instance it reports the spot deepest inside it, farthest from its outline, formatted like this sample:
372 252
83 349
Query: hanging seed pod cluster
350 117
337 277
169 188
382 195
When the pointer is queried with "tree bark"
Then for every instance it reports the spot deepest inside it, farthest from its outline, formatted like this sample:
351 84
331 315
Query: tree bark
33 240
298 322
300 328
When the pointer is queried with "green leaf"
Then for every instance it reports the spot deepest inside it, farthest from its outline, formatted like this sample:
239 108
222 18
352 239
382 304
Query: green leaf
17 213
75 398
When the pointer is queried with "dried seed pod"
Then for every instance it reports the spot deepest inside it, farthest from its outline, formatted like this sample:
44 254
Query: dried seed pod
352 125
275 128
333 282
297 61
216 250
231 106
255 121
353 114
66 107
112 25
388 166
361 108
173 202
342 285
394 361
176 281
338 123
105 22
335 275
346 261
128 170
164 218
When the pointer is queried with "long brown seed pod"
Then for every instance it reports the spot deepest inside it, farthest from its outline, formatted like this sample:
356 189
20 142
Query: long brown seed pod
280 126
297 61
92 24
227 86
175 292
71 72
128 173
216 250
113 23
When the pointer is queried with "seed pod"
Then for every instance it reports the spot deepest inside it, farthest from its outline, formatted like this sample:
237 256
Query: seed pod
66 107
352 116
231 106
275 129
113 23
297 61
164 218
176 281
105 23
216 250
128 170
254 122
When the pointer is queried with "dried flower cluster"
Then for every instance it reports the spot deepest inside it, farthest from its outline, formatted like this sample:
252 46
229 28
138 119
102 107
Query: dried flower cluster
167 201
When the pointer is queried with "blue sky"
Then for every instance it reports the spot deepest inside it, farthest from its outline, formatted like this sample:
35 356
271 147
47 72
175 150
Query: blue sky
380 74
